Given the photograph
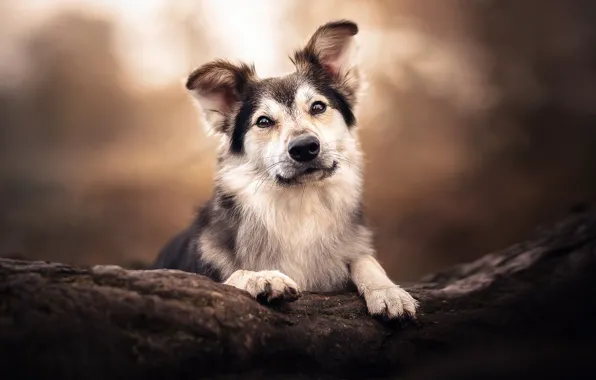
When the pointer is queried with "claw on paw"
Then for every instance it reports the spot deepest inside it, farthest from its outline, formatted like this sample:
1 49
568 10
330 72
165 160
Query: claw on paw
390 303
269 287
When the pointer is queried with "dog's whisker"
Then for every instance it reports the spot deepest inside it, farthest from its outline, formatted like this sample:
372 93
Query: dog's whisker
343 158
265 175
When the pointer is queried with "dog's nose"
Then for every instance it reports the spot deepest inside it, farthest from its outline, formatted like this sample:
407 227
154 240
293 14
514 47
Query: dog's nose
304 148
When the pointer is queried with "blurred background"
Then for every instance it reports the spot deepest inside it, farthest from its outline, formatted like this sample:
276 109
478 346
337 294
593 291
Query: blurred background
479 123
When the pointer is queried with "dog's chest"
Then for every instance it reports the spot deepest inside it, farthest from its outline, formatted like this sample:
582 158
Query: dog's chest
303 240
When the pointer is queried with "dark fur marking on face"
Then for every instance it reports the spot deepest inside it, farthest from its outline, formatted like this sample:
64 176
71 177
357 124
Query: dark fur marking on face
243 120
283 90
324 84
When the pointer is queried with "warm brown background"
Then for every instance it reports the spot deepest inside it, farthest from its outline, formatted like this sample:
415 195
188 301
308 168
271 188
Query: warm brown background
479 122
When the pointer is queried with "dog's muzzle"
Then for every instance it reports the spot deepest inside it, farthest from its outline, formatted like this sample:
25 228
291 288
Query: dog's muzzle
306 162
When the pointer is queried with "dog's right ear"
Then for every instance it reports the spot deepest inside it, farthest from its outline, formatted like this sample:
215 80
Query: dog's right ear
218 87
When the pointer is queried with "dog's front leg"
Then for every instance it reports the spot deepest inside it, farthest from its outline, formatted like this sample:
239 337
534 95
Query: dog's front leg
268 286
382 296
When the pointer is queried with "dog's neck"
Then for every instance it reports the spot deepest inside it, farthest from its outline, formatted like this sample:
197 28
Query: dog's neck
326 204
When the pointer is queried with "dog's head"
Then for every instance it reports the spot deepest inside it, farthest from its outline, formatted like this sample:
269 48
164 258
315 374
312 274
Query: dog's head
294 129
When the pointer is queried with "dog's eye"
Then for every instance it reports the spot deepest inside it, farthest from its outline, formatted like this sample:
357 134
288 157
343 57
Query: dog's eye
264 122
317 108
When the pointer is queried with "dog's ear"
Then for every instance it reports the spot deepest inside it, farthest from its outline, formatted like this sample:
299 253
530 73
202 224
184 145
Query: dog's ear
218 87
333 48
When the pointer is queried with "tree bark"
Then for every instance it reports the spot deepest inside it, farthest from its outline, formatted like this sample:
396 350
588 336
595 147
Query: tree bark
506 313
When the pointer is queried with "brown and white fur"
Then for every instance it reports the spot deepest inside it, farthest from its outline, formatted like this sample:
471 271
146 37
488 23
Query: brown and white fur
286 212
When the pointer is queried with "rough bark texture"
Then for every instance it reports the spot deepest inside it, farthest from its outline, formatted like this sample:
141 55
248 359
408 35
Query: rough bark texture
526 310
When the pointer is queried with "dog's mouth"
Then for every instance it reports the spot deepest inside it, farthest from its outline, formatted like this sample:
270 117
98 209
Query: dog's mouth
310 173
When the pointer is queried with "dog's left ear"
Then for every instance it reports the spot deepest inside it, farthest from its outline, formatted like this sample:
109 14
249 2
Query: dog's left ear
333 48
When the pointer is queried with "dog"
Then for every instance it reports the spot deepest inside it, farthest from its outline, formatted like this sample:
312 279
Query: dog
286 213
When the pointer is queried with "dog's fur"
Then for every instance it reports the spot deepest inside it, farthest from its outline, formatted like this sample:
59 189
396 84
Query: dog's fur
276 225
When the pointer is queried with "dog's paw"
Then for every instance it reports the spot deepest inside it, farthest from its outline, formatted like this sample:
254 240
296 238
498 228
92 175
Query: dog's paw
269 286
390 303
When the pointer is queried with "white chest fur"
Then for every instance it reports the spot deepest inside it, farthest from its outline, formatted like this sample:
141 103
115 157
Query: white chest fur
300 231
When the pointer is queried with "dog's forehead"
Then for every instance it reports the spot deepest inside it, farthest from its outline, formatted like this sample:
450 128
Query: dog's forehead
286 90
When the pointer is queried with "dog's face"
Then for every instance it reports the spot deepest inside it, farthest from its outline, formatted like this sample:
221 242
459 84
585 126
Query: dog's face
295 129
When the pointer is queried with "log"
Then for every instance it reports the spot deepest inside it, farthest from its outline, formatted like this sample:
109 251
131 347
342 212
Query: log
528 309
